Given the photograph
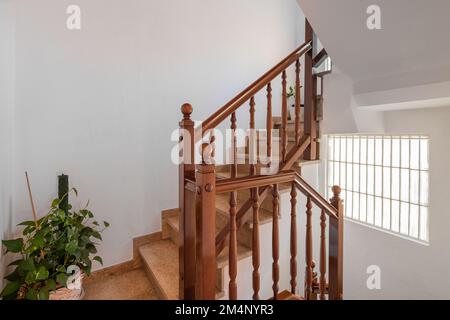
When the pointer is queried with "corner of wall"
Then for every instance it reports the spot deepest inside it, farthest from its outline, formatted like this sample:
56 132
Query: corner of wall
7 102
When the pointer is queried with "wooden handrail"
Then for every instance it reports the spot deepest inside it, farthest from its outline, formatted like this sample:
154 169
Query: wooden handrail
249 182
320 201
218 116
244 210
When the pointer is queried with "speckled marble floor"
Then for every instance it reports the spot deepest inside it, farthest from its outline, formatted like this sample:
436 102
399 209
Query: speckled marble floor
129 285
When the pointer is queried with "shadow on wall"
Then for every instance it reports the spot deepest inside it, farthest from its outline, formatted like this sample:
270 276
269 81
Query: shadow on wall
342 114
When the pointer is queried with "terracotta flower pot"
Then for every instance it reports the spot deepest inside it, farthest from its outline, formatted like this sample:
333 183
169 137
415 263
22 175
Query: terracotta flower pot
64 293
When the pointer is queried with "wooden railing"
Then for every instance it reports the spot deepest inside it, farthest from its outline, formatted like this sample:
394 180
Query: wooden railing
198 186
207 187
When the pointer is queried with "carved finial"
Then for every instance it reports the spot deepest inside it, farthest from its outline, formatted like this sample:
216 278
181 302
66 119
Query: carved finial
336 191
186 109
336 196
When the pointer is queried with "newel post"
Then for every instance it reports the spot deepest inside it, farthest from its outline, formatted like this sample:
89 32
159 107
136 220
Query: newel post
187 238
336 248
205 179
309 95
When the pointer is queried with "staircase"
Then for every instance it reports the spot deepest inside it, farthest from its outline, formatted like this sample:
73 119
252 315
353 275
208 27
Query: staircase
224 206
161 257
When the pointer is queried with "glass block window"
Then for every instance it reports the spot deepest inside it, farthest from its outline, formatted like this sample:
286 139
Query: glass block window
384 181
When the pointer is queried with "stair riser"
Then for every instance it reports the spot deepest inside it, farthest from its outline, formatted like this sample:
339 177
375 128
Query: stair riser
154 282
171 234
266 204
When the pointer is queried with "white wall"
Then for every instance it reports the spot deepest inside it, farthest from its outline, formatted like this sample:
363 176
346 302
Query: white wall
409 270
101 103
341 112
6 122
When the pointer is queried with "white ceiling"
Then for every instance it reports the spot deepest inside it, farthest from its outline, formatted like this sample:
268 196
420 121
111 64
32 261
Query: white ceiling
412 48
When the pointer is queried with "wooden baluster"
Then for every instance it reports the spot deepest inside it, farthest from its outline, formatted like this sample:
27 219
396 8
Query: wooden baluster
212 140
284 118
269 124
309 259
233 248
255 245
233 172
323 255
252 139
336 248
293 238
275 241
233 210
297 103
187 246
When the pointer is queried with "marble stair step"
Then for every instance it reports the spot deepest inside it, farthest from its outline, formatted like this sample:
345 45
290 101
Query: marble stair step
160 259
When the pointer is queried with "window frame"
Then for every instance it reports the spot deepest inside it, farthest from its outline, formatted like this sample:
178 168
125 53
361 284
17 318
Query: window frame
378 196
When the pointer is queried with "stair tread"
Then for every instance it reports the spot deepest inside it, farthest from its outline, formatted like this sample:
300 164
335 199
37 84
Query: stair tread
242 253
222 203
161 259
174 222
277 121
287 295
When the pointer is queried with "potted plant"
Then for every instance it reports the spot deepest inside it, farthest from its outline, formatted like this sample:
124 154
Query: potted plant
290 95
55 252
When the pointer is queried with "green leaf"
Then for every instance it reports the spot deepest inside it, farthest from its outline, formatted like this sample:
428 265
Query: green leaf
42 273
13 276
43 293
71 247
97 235
77 254
30 277
106 224
95 223
38 241
15 262
61 214
61 278
88 267
31 294
56 203
27 265
10 289
99 259
61 269
15 245
91 248
28 230
51 284
27 223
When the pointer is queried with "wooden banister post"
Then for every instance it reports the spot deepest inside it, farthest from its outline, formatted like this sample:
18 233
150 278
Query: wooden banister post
187 239
309 94
206 228
336 248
